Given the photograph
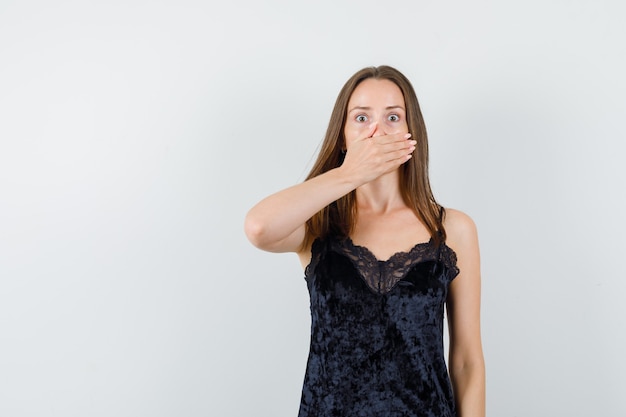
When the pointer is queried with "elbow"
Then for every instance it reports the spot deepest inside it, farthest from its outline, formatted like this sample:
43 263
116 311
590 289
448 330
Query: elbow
255 231
468 368
260 233
269 234
468 360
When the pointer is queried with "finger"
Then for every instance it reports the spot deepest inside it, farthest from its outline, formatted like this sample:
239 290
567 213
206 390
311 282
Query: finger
392 138
399 145
373 128
396 159
400 137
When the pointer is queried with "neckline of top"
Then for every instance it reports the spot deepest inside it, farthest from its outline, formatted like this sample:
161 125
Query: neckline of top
402 253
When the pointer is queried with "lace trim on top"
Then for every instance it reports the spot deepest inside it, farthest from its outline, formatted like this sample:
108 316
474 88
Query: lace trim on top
382 276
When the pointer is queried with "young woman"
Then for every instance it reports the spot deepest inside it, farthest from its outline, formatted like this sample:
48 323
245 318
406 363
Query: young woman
381 260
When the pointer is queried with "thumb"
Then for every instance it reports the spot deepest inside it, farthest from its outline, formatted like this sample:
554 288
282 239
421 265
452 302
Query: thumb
372 130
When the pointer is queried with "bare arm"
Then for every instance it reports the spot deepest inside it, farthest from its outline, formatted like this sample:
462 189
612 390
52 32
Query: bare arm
276 223
467 367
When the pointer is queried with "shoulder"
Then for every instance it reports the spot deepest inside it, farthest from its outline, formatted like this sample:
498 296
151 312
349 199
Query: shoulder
458 224
461 231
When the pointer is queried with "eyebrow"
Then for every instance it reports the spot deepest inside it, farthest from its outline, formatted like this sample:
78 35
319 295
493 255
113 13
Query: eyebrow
369 108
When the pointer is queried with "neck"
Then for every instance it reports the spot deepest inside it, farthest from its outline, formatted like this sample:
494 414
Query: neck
381 195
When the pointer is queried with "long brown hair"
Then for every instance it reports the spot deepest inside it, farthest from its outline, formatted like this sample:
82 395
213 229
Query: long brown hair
338 218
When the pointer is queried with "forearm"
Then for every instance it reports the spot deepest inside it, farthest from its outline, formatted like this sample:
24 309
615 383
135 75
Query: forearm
278 216
468 382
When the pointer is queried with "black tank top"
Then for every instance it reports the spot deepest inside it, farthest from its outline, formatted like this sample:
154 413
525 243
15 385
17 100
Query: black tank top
377 332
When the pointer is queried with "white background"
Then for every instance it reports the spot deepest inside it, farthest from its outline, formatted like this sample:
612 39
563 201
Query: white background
135 135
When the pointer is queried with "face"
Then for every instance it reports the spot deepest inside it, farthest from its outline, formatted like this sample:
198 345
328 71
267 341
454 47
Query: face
375 108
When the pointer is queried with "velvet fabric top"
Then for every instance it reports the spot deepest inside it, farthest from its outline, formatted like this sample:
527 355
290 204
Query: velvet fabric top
377 332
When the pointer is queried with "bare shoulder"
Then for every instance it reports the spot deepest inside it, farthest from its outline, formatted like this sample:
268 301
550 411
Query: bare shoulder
460 230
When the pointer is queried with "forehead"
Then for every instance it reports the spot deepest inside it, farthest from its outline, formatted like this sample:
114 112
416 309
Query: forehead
371 92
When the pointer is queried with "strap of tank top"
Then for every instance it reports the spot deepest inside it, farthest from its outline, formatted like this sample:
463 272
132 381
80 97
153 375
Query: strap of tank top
439 245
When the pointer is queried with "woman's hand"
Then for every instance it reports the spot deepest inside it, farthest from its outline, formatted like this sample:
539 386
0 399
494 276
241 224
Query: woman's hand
375 155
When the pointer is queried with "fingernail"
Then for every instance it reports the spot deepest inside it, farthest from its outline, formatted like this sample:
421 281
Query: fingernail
408 135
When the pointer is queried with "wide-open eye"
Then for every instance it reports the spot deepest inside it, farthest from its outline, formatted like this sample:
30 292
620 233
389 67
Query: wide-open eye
361 118
393 118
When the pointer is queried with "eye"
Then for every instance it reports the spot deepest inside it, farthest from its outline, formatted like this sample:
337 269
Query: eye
361 118
393 118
